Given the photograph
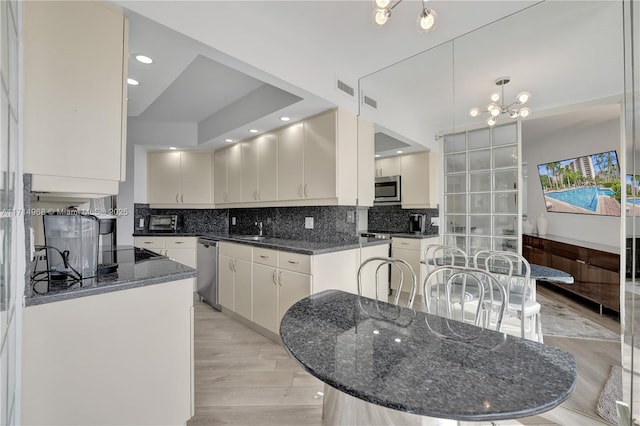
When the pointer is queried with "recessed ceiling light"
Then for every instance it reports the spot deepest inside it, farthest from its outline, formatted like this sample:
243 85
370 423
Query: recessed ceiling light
377 155
172 147
133 82
399 152
285 118
144 59
253 131
228 140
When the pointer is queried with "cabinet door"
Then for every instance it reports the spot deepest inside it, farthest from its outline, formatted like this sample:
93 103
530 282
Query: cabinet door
290 162
268 167
415 180
242 288
154 244
225 281
265 297
186 256
73 101
220 176
320 156
292 287
163 177
412 257
195 177
249 170
234 173
388 167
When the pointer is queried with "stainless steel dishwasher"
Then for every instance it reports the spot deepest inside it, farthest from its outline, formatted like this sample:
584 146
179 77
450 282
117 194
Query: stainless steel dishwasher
208 271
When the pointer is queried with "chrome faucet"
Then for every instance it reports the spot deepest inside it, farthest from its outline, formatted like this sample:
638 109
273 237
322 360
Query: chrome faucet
259 225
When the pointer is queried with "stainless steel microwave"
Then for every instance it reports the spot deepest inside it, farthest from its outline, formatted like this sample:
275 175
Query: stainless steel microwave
387 190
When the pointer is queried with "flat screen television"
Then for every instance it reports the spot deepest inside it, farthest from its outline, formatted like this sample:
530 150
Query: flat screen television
583 185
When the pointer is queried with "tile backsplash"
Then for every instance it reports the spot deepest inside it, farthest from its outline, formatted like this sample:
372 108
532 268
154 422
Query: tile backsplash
396 219
330 223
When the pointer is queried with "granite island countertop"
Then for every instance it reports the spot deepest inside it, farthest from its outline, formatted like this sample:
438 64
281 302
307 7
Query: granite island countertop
423 364
136 268
276 243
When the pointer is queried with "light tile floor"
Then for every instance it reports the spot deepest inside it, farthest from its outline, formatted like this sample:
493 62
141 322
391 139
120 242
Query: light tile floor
243 378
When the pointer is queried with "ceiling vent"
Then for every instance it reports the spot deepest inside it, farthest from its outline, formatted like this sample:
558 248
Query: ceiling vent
344 87
371 102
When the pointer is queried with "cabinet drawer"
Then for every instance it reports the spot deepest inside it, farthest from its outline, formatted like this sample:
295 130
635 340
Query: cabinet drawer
406 243
238 251
149 242
265 256
180 242
295 262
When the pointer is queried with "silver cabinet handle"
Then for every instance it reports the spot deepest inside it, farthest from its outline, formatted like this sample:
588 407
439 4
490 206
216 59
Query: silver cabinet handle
273 277
300 190
176 198
305 191
263 256
581 261
258 193
182 198
231 265
147 242
293 263
255 194
280 278
405 244
178 242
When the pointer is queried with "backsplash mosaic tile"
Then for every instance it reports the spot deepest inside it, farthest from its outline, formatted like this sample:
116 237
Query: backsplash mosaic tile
395 219
194 220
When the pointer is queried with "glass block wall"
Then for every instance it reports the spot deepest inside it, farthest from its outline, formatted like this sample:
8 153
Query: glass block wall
481 181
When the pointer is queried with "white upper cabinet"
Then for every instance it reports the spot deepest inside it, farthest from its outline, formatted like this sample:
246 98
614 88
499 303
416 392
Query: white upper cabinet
179 177
74 69
323 160
420 180
227 169
291 162
388 167
260 168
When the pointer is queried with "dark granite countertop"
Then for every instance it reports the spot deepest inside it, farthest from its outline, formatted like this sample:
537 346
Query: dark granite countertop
136 268
406 234
419 363
275 243
165 234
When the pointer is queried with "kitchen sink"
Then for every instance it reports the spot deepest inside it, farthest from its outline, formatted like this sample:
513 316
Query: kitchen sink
251 237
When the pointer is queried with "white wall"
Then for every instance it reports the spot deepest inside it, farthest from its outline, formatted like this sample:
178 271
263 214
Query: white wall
573 141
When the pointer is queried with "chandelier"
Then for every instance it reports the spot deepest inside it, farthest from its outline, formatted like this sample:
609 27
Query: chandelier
497 107
382 12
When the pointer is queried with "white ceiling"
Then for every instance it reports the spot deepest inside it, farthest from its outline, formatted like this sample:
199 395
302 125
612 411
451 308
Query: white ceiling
562 57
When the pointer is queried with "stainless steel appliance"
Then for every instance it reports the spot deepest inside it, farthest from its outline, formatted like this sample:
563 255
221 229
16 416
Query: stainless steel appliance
388 190
417 223
164 223
107 254
71 242
207 280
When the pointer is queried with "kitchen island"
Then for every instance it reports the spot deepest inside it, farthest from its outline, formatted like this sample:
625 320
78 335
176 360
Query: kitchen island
383 364
117 349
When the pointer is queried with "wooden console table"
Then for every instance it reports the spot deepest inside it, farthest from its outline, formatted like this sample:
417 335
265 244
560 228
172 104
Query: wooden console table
595 268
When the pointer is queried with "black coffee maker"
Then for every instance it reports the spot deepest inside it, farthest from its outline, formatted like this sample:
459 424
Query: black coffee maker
417 223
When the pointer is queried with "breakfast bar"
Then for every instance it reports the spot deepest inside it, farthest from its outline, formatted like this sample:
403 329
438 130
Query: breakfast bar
385 364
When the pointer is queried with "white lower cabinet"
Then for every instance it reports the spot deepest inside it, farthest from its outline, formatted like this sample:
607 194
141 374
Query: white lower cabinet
292 287
235 278
410 250
124 357
180 249
265 294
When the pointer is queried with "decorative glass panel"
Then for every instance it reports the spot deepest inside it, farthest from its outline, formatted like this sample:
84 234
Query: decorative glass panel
480 225
507 244
505 202
456 224
455 163
480 138
505 180
480 203
478 243
456 183
479 182
505 225
505 157
455 203
480 160
455 143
